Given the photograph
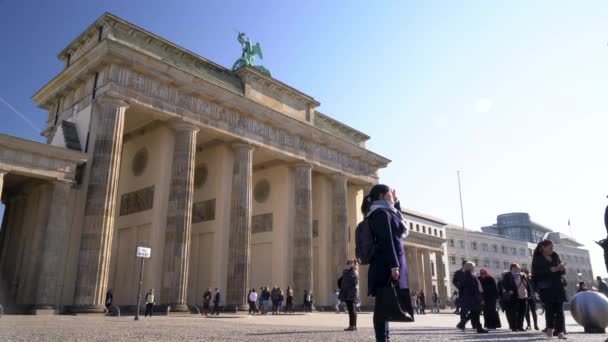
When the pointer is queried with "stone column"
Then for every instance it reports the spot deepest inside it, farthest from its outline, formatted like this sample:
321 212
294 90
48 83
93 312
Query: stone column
339 225
100 206
428 288
412 268
239 247
441 288
302 232
2 174
179 218
420 270
54 247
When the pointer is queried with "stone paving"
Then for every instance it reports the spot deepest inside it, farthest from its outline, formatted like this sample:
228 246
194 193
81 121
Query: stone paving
299 327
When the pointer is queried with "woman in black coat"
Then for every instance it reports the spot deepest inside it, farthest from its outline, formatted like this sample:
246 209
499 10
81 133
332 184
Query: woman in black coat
383 211
349 292
516 291
471 297
491 319
548 270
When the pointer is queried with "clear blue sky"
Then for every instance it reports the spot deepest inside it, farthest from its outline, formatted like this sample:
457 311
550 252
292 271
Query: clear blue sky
512 93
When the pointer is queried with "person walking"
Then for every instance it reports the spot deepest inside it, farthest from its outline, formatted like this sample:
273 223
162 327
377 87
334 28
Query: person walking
382 208
516 286
253 298
274 297
349 292
435 300
216 302
602 287
457 281
281 300
109 299
150 300
491 320
266 299
531 309
548 270
289 300
415 302
454 303
471 296
422 300
206 301
307 303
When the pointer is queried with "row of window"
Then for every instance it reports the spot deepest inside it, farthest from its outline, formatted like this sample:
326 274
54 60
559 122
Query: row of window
487 263
431 230
510 250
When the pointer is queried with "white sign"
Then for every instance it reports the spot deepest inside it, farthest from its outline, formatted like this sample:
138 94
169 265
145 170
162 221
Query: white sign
144 252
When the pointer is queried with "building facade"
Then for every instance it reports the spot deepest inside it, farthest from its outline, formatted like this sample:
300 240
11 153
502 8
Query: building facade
517 226
233 179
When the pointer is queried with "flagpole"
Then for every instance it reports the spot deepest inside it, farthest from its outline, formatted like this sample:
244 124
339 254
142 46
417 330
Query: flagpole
466 243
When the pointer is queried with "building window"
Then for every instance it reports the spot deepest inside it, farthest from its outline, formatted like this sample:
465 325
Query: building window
505 250
524 266
513 250
435 231
484 247
461 243
411 226
452 260
432 269
424 229
495 248
441 233
417 227
506 264
476 261
474 245
486 263
496 264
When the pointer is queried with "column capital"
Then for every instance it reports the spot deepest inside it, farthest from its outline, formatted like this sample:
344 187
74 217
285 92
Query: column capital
238 145
183 126
302 164
338 176
108 100
3 173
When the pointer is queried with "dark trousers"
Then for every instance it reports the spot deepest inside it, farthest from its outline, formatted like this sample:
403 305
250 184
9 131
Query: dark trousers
531 309
516 312
275 306
216 309
252 308
289 305
352 314
464 316
149 307
380 327
554 316
475 322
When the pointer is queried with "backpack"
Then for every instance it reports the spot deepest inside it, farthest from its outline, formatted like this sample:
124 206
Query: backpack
340 282
365 242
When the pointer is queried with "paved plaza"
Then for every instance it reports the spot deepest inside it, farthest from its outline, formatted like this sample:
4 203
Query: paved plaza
300 327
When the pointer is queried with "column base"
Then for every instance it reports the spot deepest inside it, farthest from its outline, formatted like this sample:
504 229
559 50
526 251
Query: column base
234 308
43 309
177 308
86 309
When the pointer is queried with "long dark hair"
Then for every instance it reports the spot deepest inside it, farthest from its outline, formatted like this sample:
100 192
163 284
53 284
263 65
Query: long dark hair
374 194
539 248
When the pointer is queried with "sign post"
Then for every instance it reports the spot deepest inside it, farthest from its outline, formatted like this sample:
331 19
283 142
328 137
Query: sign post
143 253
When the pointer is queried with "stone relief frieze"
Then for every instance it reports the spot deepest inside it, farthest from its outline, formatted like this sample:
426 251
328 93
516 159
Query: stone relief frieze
261 223
136 201
203 211
238 123
36 161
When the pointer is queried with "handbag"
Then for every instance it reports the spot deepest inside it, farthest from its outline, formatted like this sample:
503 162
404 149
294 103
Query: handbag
394 304
506 297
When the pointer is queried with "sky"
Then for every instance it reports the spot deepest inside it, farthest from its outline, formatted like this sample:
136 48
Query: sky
509 93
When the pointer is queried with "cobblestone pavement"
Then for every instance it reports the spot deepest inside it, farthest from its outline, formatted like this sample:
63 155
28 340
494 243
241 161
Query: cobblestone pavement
310 327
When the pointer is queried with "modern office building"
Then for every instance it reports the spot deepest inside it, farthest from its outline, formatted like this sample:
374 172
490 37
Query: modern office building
517 226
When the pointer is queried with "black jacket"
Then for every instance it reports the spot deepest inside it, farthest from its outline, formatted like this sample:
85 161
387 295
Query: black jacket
508 284
350 284
550 285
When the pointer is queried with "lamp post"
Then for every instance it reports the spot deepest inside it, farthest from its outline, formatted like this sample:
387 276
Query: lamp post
464 230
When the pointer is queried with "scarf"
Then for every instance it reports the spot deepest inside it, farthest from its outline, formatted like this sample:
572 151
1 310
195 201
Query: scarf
479 287
382 204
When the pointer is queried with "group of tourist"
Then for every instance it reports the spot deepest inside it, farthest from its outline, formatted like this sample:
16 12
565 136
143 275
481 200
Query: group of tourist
281 301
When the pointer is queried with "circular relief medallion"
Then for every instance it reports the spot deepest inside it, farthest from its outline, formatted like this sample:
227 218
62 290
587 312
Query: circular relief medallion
261 190
200 176
140 161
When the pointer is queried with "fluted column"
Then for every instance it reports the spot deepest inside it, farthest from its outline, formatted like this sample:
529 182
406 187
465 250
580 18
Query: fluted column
412 267
419 270
179 218
428 288
302 232
339 224
2 174
100 206
54 247
239 248
441 288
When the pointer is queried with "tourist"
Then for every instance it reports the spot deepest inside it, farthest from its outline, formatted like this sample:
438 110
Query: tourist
422 304
261 301
274 298
281 300
150 300
435 300
548 270
491 320
383 210
454 303
349 291
311 301
457 281
415 302
289 301
109 300
216 302
582 286
253 297
471 296
516 289
307 303
602 287
531 309
337 300
206 300
266 299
